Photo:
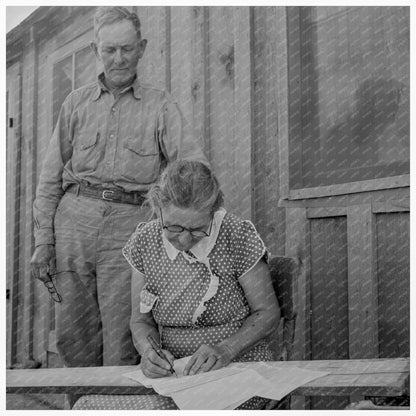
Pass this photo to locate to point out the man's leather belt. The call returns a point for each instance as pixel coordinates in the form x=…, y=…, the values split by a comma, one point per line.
x=112, y=195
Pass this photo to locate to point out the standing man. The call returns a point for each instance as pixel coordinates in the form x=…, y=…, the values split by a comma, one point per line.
x=111, y=141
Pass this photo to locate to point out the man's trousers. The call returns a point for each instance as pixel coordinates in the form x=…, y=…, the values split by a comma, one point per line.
x=92, y=325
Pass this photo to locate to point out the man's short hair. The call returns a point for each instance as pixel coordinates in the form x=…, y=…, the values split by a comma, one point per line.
x=108, y=15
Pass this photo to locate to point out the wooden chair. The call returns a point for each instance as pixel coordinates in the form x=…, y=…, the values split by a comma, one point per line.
x=283, y=271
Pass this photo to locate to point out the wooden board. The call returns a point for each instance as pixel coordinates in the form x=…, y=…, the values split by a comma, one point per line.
x=329, y=288
x=362, y=286
x=268, y=218
x=378, y=377
x=393, y=283
x=329, y=297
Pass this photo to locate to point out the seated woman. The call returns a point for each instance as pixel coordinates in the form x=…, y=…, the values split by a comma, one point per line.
x=200, y=285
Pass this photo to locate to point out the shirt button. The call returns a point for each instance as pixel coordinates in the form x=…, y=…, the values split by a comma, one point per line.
x=113, y=110
x=112, y=136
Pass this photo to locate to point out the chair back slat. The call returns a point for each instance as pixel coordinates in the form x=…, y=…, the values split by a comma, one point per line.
x=283, y=272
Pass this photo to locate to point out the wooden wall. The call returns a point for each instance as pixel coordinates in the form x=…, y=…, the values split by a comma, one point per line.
x=228, y=69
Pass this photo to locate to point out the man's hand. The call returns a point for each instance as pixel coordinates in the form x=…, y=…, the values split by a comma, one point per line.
x=153, y=366
x=208, y=358
x=43, y=262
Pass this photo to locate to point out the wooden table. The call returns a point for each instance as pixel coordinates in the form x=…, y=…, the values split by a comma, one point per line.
x=372, y=377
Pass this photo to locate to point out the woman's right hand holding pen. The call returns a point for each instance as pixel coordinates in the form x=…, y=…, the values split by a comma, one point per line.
x=154, y=366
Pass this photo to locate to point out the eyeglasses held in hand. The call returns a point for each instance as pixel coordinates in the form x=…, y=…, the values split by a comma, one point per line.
x=56, y=297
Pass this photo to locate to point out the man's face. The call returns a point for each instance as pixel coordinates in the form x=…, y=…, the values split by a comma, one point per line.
x=119, y=49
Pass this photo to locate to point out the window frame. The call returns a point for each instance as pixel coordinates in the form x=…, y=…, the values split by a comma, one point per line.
x=69, y=49
x=289, y=83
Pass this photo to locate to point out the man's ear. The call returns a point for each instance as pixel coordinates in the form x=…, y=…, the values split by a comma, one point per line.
x=94, y=48
x=142, y=45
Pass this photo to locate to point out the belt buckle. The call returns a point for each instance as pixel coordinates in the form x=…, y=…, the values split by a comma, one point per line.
x=104, y=195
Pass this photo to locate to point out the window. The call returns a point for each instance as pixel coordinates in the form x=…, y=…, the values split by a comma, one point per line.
x=70, y=73
x=348, y=72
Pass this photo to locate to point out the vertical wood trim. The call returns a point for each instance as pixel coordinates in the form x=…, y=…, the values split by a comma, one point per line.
x=200, y=79
x=12, y=197
x=362, y=283
x=182, y=61
x=30, y=181
x=207, y=87
x=168, y=39
x=243, y=106
x=48, y=314
x=298, y=247
x=221, y=84
x=276, y=218
x=268, y=218
x=9, y=234
x=49, y=95
x=17, y=156
x=282, y=100
x=151, y=67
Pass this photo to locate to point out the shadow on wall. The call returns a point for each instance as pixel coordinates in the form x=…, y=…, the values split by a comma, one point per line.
x=372, y=132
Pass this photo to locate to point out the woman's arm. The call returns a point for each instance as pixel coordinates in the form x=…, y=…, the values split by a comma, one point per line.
x=142, y=325
x=265, y=311
x=264, y=317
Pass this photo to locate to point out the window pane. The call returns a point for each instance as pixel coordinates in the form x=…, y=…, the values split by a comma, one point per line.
x=84, y=67
x=349, y=115
x=62, y=84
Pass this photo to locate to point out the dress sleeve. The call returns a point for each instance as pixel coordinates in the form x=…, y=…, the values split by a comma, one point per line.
x=249, y=248
x=132, y=251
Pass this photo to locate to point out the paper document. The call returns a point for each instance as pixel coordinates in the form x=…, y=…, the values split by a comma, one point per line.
x=170, y=384
x=218, y=394
x=227, y=387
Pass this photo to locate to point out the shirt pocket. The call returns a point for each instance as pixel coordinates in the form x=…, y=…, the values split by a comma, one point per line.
x=85, y=155
x=141, y=160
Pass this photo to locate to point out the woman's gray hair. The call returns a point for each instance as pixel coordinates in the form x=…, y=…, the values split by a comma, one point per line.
x=108, y=15
x=186, y=184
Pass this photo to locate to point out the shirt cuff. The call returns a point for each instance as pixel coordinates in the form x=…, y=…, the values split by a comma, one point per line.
x=44, y=236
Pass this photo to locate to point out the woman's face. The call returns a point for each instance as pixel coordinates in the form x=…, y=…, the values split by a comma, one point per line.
x=190, y=220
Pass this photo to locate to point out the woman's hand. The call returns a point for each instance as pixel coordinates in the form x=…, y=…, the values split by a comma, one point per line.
x=208, y=358
x=153, y=366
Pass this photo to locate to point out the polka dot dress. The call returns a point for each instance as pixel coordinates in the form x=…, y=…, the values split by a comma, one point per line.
x=178, y=283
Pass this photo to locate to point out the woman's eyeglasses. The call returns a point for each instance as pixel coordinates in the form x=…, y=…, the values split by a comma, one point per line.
x=179, y=229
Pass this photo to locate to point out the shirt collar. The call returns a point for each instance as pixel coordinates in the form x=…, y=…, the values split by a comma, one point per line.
x=204, y=246
x=135, y=86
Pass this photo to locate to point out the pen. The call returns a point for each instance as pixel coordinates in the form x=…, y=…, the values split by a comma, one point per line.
x=160, y=353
